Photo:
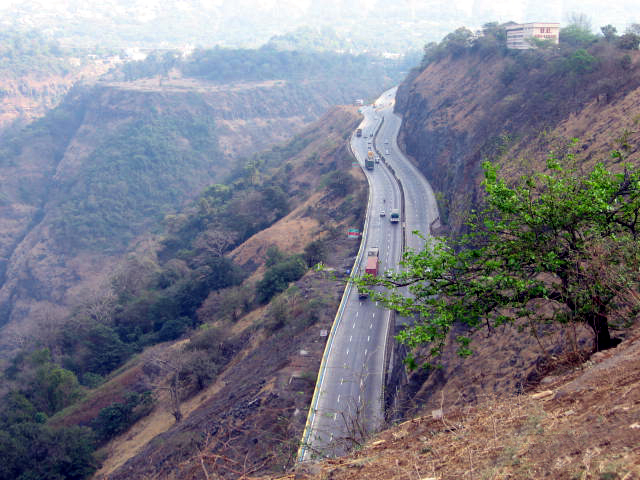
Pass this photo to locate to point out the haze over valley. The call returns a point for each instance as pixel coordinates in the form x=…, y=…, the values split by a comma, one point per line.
x=319, y=240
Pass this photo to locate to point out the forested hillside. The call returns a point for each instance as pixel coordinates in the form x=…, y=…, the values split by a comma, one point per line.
x=219, y=279
x=35, y=74
x=94, y=178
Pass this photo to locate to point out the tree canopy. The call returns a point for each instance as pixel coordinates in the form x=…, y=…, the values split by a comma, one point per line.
x=563, y=239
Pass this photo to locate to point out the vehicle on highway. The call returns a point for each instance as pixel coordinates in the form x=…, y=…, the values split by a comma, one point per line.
x=372, y=261
x=395, y=216
x=368, y=162
x=382, y=213
x=387, y=142
x=359, y=132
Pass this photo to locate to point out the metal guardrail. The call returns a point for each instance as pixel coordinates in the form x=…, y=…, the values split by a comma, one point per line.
x=304, y=445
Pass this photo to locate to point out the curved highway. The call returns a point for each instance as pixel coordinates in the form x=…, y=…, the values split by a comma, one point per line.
x=348, y=402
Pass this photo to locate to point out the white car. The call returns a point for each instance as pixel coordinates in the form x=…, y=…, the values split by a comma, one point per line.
x=382, y=213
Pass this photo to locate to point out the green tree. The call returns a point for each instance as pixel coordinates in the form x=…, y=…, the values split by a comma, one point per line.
x=629, y=41
x=578, y=32
x=276, y=279
x=315, y=251
x=609, y=32
x=561, y=238
x=581, y=62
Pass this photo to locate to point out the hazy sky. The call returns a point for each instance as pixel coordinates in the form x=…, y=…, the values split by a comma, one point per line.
x=255, y=21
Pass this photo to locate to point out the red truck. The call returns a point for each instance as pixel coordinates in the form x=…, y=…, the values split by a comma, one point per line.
x=372, y=261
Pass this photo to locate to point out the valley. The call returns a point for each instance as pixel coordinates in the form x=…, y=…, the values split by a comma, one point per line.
x=251, y=263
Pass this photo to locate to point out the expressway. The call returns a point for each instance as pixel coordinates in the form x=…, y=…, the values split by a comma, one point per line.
x=348, y=402
x=421, y=209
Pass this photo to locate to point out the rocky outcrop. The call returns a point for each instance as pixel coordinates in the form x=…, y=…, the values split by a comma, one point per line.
x=458, y=112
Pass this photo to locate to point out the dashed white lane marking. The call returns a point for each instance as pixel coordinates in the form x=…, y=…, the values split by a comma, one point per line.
x=365, y=352
x=341, y=380
x=347, y=351
x=338, y=399
x=368, y=338
x=350, y=338
x=354, y=325
x=373, y=315
x=358, y=312
x=358, y=398
x=371, y=326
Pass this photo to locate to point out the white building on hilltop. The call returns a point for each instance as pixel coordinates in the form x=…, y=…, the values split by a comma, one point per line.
x=520, y=35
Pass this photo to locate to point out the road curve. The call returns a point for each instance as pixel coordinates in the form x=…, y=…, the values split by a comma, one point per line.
x=348, y=401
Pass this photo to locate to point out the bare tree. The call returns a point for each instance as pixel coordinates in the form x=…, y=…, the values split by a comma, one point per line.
x=168, y=366
x=215, y=242
x=579, y=20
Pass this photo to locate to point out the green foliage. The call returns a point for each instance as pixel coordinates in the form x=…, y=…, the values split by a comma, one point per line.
x=226, y=65
x=629, y=41
x=119, y=416
x=609, y=32
x=566, y=239
x=290, y=312
x=29, y=52
x=340, y=183
x=103, y=350
x=277, y=277
x=136, y=174
x=273, y=256
x=30, y=451
x=577, y=36
x=46, y=386
x=315, y=252
x=580, y=62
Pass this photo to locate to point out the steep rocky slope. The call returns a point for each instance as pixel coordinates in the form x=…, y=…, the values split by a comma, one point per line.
x=81, y=184
x=581, y=423
x=252, y=415
x=26, y=97
x=513, y=109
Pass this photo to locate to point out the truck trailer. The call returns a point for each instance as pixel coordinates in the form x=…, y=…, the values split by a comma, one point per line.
x=372, y=261
x=368, y=162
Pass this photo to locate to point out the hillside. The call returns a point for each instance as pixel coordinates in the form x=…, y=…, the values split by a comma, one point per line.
x=36, y=73
x=208, y=336
x=81, y=185
x=580, y=423
x=514, y=108
x=254, y=410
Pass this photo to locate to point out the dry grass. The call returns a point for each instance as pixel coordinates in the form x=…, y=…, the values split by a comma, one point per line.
x=584, y=425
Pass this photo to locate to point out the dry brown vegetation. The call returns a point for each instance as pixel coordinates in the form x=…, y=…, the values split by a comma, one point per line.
x=250, y=418
x=581, y=424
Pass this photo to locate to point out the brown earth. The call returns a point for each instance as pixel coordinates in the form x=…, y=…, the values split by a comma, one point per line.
x=253, y=414
x=39, y=282
x=30, y=96
x=580, y=424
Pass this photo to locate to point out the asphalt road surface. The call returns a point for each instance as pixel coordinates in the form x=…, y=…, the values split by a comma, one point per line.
x=349, y=402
